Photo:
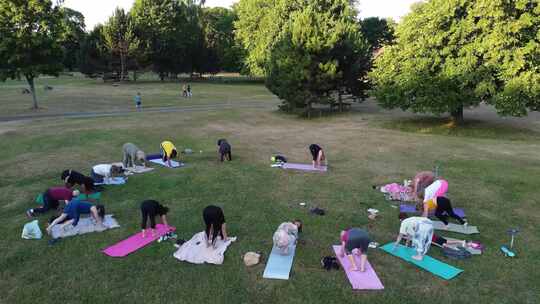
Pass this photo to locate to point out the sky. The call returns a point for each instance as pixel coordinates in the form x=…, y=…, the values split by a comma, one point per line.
x=98, y=11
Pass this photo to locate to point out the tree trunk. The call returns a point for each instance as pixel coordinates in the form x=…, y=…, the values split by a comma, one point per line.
x=340, y=101
x=135, y=75
x=30, y=80
x=457, y=116
x=122, y=66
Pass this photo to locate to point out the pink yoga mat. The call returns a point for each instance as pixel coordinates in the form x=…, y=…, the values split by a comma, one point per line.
x=359, y=280
x=136, y=242
x=303, y=167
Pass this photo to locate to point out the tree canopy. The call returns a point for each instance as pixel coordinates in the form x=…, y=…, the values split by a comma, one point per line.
x=30, y=32
x=378, y=31
x=452, y=54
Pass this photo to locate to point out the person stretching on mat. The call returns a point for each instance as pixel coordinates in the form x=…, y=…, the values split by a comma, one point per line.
x=421, y=181
x=317, y=154
x=72, y=178
x=104, y=173
x=420, y=231
x=168, y=151
x=224, y=150
x=215, y=224
x=434, y=200
x=355, y=241
x=51, y=200
x=149, y=210
x=72, y=212
x=286, y=235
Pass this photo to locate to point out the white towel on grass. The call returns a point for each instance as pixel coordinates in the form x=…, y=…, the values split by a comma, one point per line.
x=195, y=250
x=85, y=225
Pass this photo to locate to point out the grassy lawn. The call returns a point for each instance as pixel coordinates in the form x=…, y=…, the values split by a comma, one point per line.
x=79, y=94
x=492, y=175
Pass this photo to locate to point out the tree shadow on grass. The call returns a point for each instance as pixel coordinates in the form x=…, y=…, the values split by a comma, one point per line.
x=470, y=128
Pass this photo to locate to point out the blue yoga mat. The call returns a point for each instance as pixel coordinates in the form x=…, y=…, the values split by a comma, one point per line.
x=279, y=266
x=113, y=181
x=430, y=264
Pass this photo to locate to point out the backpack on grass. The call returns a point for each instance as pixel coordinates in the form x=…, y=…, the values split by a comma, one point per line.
x=458, y=253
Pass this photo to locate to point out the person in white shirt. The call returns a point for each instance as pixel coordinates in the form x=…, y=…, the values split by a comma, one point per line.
x=420, y=231
x=103, y=173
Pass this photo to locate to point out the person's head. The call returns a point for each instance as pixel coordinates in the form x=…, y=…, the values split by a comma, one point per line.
x=298, y=224
x=101, y=211
x=221, y=141
x=174, y=153
x=162, y=210
x=421, y=192
x=116, y=170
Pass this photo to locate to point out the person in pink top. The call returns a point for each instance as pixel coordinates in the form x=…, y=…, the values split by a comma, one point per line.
x=51, y=200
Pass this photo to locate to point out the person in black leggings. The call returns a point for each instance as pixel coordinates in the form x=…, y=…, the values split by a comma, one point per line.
x=215, y=224
x=224, y=150
x=444, y=208
x=317, y=154
x=149, y=210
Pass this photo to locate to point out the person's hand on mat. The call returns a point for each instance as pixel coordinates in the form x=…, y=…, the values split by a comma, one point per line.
x=418, y=257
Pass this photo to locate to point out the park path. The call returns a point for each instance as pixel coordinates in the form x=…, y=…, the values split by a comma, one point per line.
x=213, y=107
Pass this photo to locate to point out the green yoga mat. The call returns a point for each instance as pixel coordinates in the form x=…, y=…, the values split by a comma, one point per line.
x=430, y=264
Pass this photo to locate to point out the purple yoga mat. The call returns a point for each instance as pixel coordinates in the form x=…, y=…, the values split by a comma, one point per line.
x=303, y=167
x=136, y=242
x=359, y=280
x=412, y=209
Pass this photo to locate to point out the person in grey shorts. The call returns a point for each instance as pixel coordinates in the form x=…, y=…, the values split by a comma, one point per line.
x=355, y=241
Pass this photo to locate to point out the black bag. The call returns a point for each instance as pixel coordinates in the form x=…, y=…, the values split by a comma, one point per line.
x=458, y=253
x=317, y=211
x=329, y=262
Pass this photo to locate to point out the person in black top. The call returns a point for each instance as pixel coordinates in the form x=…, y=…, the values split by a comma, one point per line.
x=224, y=149
x=215, y=224
x=318, y=155
x=72, y=177
x=149, y=210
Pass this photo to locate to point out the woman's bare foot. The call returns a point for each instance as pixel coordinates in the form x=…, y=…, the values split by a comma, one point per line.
x=418, y=257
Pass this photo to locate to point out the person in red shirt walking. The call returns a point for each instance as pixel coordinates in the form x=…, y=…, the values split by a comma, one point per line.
x=51, y=200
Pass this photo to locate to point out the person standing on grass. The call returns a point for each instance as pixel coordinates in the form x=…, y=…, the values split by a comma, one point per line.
x=189, y=90
x=433, y=199
x=355, y=241
x=317, y=154
x=184, y=91
x=138, y=101
x=419, y=230
x=149, y=210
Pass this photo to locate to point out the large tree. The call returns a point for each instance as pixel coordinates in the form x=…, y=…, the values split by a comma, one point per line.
x=120, y=38
x=222, y=52
x=452, y=54
x=170, y=33
x=30, y=31
x=315, y=55
x=377, y=31
x=94, y=55
x=73, y=36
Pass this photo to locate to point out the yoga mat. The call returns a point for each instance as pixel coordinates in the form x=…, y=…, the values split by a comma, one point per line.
x=359, y=280
x=113, y=181
x=430, y=264
x=136, y=242
x=85, y=225
x=437, y=225
x=279, y=266
x=174, y=164
x=303, y=167
x=473, y=251
x=407, y=208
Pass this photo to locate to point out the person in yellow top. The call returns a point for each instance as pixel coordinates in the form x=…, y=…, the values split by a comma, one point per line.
x=434, y=199
x=168, y=151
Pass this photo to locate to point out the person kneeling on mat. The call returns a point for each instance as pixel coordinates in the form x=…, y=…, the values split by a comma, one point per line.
x=103, y=173
x=317, y=154
x=72, y=212
x=168, y=152
x=420, y=231
x=433, y=198
x=286, y=235
x=224, y=149
x=51, y=200
x=149, y=210
x=355, y=241
x=214, y=220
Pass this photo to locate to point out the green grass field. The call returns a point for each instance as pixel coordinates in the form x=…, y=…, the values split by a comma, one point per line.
x=492, y=175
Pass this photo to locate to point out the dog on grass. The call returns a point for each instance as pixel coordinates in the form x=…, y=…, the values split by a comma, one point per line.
x=133, y=156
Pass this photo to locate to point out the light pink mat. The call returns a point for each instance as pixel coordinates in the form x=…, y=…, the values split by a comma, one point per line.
x=136, y=242
x=303, y=167
x=359, y=280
